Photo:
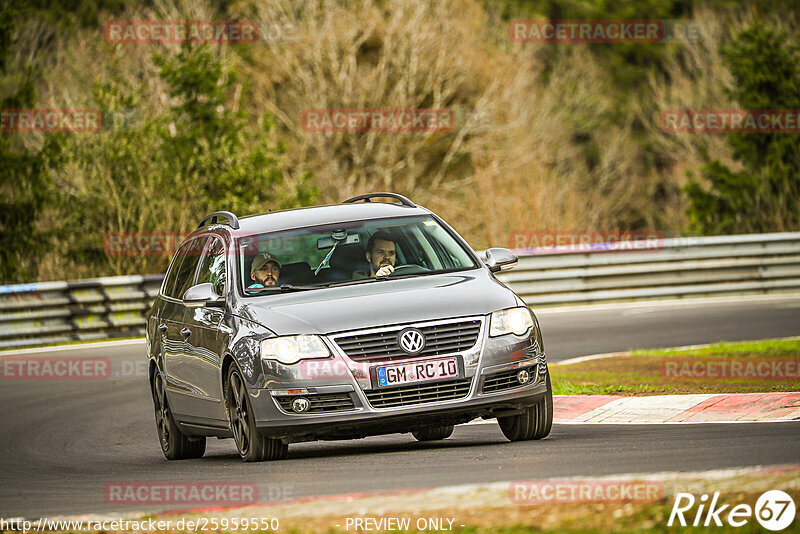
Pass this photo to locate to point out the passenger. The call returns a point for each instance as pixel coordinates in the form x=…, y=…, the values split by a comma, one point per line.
x=265, y=271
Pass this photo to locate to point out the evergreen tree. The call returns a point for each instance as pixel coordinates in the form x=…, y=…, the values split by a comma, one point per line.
x=764, y=196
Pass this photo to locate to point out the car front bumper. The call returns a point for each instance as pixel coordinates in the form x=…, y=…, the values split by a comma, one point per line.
x=346, y=402
x=363, y=422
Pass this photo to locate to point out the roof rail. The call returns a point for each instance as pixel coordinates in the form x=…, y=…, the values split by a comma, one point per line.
x=233, y=221
x=368, y=196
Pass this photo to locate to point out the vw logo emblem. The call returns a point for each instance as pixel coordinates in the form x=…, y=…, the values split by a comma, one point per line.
x=411, y=340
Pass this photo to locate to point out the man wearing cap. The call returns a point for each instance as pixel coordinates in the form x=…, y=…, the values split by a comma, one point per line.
x=265, y=271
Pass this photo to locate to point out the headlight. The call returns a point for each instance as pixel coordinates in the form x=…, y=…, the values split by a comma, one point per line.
x=512, y=320
x=292, y=349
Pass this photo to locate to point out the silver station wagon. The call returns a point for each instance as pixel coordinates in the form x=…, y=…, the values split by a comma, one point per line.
x=339, y=322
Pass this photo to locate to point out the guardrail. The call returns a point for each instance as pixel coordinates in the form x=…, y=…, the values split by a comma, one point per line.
x=57, y=312
x=674, y=268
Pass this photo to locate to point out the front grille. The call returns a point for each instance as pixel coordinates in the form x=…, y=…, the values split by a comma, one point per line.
x=418, y=393
x=506, y=380
x=444, y=338
x=328, y=402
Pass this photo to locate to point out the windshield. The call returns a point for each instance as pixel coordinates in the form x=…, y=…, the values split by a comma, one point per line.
x=353, y=252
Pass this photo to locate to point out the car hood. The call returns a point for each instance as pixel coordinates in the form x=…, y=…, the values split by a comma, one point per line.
x=422, y=298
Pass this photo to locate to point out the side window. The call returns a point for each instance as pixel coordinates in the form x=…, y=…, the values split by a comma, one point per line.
x=212, y=266
x=175, y=266
x=185, y=278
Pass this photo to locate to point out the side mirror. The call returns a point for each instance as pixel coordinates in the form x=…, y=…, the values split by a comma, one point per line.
x=500, y=259
x=202, y=295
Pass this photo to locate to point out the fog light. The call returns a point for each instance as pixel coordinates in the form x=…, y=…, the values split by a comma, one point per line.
x=523, y=377
x=300, y=405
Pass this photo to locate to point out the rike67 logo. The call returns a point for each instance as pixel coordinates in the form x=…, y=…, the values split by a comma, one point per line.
x=774, y=510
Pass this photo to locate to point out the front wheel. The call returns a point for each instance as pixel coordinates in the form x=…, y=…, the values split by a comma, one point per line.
x=433, y=433
x=252, y=445
x=174, y=444
x=534, y=423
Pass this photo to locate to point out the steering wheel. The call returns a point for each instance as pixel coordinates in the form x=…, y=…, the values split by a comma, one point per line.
x=410, y=269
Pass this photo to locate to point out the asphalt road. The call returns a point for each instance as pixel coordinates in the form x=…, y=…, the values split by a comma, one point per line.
x=61, y=442
x=580, y=331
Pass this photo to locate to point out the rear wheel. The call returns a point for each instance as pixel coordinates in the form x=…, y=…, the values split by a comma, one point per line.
x=252, y=445
x=174, y=444
x=534, y=423
x=433, y=433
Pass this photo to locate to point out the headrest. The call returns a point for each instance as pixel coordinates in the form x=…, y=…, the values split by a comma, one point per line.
x=296, y=273
x=349, y=258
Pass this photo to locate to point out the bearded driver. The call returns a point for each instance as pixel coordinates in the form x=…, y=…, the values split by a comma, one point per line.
x=264, y=271
x=381, y=254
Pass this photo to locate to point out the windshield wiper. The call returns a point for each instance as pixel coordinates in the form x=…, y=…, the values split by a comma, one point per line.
x=360, y=281
x=287, y=288
x=403, y=276
x=377, y=279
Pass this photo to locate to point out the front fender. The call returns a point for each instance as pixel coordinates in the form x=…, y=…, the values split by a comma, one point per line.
x=245, y=348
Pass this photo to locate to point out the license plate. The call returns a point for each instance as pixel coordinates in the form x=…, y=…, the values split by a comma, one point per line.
x=392, y=375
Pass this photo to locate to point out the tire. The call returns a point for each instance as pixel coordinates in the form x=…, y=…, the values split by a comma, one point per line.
x=433, y=433
x=251, y=444
x=534, y=423
x=174, y=444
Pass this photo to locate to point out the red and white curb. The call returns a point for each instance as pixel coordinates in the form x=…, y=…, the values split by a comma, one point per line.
x=705, y=408
x=674, y=409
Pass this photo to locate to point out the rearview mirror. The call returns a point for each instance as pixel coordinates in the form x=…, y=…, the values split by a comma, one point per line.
x=340, y=237
x=500, y=259
x=202, y=295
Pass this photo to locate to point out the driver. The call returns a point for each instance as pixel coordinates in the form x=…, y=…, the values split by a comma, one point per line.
x=264, y=271
x=381, y=255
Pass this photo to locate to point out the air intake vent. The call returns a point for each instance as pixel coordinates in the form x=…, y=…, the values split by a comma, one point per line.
x=418, y=393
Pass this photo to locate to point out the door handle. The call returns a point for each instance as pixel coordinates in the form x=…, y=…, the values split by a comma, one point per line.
x=163, y=328
x=185, y=332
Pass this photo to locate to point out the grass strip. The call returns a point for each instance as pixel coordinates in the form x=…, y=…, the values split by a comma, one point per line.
x=744, y=367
